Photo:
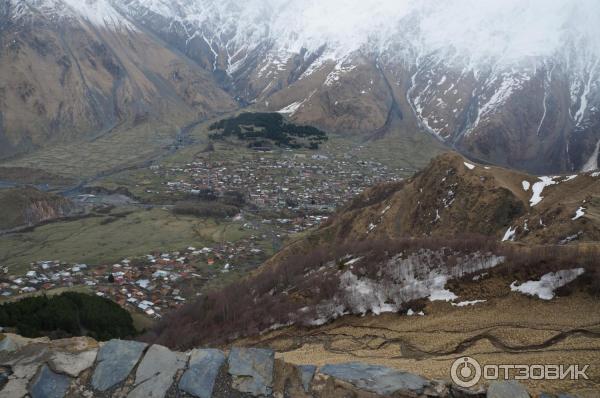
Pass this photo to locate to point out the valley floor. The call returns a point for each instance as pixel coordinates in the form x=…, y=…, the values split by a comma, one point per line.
x=512, y=329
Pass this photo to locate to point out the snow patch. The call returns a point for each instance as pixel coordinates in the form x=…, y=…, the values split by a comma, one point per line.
x=467, y=303
x=401, y=280
x=592, y=163
x=526, y=185
x=545, y=287
x=438, y=290
x=579, y=213
x=291, y=109
x=538, y=188
x=510, y=234
x=353, y=261
x=469, y=166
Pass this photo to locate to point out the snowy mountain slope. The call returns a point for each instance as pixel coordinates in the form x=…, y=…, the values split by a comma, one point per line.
x=508, y=81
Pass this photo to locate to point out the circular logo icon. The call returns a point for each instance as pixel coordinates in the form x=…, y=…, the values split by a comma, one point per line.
x=465, y=372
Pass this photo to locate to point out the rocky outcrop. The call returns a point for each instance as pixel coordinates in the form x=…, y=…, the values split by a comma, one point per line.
x=20, y=207
x=81, y=367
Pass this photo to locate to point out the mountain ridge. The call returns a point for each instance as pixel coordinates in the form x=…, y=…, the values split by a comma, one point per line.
x=517, y=85
x=453, y=196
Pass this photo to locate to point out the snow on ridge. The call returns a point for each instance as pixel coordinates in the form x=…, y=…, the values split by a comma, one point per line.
x=526, y=185
x=478, y=35
x=538, y=188
x=102, y=13
x=499, y=43
x=340, y=69
x=545, y=287
x=469, y=166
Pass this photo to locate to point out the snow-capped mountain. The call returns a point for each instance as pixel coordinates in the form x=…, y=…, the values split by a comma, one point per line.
x=510, y=81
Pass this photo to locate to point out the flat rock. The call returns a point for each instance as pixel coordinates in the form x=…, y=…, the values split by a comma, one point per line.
x=307, y=374
x=252, y=370
x=72, y=364
x=116, y=359
x=377, y=379
x=155, y=374
x=199, y=379
x=507, y=389
x=48, y=384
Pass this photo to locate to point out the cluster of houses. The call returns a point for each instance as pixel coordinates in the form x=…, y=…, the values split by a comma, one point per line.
x=297, y=190
x=152, y=285
x=314, y=184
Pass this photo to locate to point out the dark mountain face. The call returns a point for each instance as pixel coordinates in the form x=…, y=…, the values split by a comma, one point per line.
x=522, y=105
x=62, y=78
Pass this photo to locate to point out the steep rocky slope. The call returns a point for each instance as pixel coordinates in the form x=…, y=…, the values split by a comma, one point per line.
x=64, y=77
x=28, y=206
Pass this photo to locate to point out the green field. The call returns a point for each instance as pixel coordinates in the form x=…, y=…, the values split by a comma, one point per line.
x=116, y=150
x=122, y=158
x=101, y=240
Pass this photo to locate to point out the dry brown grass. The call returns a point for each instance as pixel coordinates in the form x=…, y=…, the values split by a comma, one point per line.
x=277, y=293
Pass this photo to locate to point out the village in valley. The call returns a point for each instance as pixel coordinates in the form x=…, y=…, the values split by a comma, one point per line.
x=152, y=284
x=305, y=183
x=283, y=193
